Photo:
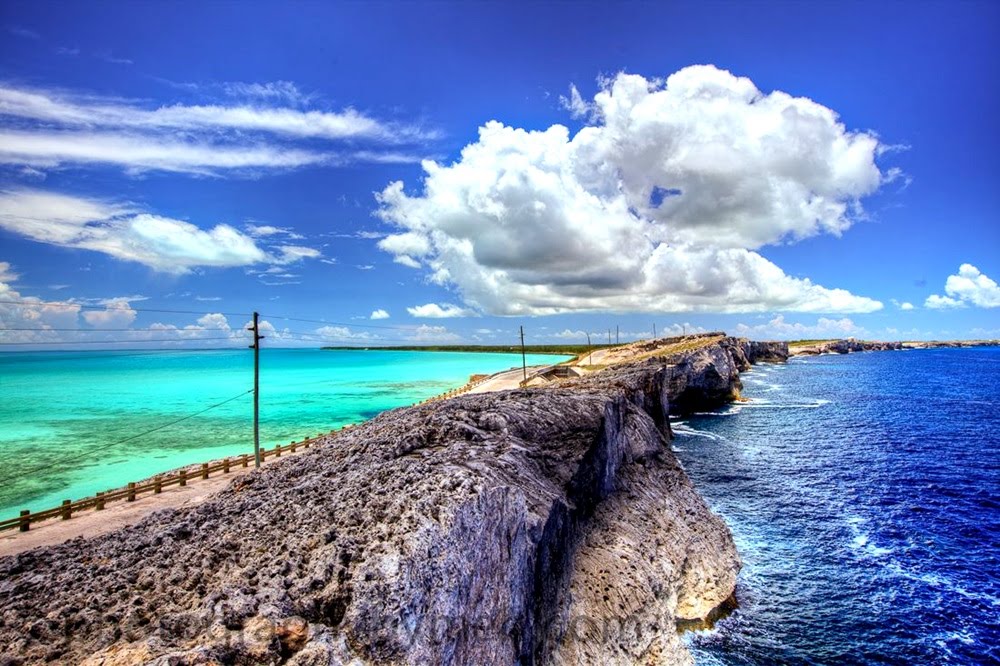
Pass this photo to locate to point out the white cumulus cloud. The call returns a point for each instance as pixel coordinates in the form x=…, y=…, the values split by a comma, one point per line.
x=125, y=232
x=118, y=313
x=780, y=329
x=567, y=334
x=442, y=311
x=379, y=314
x=968, y=287
x=344, y=334
x=425, y=333
x=659, y=205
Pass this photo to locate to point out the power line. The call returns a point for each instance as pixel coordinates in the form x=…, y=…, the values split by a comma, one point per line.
x=334, y=323
x=129, y=439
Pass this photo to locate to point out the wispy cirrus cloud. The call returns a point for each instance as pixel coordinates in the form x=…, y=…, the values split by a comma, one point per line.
x=284, y=91
x=98, y=112
x=50, y=128
x=24, y=33
x=266, y=230
x=140, y=153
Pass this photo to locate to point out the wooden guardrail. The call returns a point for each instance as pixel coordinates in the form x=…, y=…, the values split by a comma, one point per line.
x=155, y=485
x=468, y=386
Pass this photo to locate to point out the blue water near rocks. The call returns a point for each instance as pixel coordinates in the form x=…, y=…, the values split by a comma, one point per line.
x=864, y=495
x=63, y=414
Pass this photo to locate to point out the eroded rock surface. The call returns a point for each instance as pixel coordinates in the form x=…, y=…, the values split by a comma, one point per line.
x=851, y=346
x=533, y=526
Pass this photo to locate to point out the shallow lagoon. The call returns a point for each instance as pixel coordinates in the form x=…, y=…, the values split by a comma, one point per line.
x=62, y=412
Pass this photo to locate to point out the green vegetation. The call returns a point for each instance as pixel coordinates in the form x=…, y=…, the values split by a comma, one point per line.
x=803, y=343
x=492, y=349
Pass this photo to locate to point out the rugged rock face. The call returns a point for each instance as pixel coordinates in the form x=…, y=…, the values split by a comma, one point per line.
x=949, y=344
x=764, y=352
x=543, y=526
x=706, y=378
x=850, y=346
x=847, y=346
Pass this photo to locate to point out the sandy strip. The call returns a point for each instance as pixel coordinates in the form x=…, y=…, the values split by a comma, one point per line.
x=503, y=381
x=91, y=523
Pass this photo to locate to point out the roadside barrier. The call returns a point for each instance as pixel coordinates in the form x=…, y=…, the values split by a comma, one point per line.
x=155, y=485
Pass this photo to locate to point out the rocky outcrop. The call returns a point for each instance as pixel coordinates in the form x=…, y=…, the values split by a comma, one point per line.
x=706, y=378
x=851, y=346
x=949, y=344
x=848, y=346
x=541, y=526
x=764, y=352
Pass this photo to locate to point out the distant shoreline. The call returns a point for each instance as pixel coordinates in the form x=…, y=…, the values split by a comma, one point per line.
x=852, y=345
x=556, y=350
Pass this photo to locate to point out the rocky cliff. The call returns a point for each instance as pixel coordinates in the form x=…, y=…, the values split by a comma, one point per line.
x=764, y=352
x=543, y=526
x=847, y=346
x=850, y=346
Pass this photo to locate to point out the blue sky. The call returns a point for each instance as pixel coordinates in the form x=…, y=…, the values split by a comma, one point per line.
x=448, y=172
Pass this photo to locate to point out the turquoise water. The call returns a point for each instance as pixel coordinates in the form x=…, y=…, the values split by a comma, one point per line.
x=63, y=414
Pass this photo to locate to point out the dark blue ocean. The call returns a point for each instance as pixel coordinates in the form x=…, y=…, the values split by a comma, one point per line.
x=864, y=495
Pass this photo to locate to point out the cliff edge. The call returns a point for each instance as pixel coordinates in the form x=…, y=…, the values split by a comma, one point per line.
x=541, y=526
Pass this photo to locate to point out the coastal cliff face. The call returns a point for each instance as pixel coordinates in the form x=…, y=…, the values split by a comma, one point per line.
x=546, y=526
x=850, y=346
x=764, y=352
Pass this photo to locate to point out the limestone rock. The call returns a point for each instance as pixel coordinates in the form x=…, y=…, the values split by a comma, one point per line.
x=500, y=528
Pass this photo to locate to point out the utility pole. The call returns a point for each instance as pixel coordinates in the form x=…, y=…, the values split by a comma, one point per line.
x=609, y=337
x=524, y=362
x=590, y=352
x=616, y=335
x=654, y=330
x=257, y=337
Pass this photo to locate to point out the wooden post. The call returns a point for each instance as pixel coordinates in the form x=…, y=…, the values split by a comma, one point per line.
x=292, y=447
x=66, y=510
x=99, y=504
x=157, y=485
x=256, y=389
x=524, y=362
x=183, y=477
x=305, y=444
x=243, y=460
x=277, y=451
x=25, y=523
x=131, y=492
x=204, y=470
x=225, y=465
